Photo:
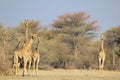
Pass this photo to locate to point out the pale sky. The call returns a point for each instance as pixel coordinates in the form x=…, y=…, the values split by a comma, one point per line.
x=106, y=12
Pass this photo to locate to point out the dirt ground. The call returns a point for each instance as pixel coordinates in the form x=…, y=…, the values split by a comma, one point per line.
x=60, y=74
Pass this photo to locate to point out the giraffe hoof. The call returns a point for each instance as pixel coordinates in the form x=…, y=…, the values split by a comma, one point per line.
x=28, y=74
x=23, y=75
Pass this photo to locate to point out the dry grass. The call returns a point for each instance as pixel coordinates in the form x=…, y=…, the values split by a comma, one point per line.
x=61, y=74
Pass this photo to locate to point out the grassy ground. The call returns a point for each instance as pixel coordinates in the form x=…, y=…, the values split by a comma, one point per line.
x=61, y=74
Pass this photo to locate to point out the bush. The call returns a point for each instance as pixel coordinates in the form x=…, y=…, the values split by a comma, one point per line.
x=5, y=68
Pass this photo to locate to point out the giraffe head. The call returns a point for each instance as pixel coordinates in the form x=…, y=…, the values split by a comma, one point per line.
x=34, y=36
x=102, y=36
x=19, y=38
x=26, y=23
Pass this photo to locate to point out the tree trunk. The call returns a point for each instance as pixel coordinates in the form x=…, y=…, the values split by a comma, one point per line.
x=75, y=53
x=113, y=60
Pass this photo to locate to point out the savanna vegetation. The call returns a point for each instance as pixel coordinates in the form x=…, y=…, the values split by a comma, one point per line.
x=69, y=43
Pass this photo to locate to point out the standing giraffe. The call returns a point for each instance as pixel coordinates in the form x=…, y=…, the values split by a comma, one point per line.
x=16, y=64
x=102, y=54
x=36, y=57
x=24, y=53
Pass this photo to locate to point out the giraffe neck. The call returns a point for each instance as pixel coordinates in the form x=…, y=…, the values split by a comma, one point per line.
x=26, y=33
x=102, y=44
x=18, y=45
x=37, y=45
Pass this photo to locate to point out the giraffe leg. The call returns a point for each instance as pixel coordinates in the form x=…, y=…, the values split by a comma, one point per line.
x=103, y=61
x=102, y=66
x=14, y=69
x=37, y=62
x=100, y=63
x=25, y=63
x=17, y=67
x=15, y=64
x=33, y=63
x=29, y=67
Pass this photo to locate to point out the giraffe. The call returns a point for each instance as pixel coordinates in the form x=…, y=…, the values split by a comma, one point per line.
x=36, y=57
x=24, y=53
x=102, y=54
x=16, y=65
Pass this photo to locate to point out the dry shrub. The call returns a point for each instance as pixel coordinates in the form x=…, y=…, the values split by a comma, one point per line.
x=5, y=68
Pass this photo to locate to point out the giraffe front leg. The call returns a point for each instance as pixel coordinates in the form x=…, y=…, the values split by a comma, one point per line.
x=102, y=66
x=100, y=70
x=15, y=64
x=17, y=67
x=37, y=63
x=103, y=61
x=14, y=69
x=33, y=63
x=24, y=70
x=100, y=63
x=29, y=67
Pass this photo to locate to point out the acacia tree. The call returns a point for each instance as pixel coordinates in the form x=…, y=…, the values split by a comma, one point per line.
x=113, y=45
x=76, y=28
